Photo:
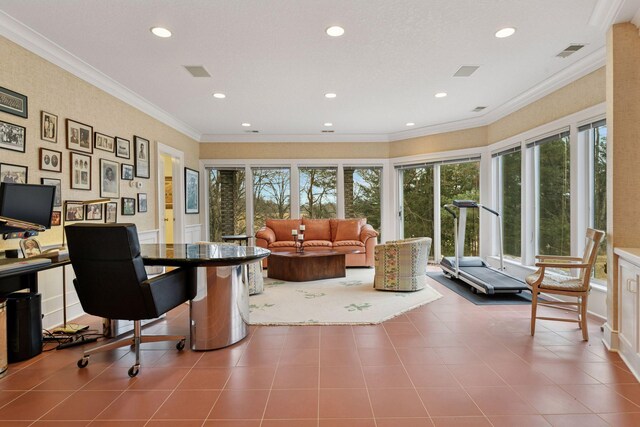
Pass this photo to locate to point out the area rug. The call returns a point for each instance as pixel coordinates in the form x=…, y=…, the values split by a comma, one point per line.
x=349, y=300
x=464, y=290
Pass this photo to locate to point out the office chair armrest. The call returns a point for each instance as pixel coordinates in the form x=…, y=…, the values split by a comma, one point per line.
x=558, y=257
x=562, y=265
x=169, y=290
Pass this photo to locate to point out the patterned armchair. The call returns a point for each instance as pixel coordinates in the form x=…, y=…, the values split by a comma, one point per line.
x=254, y=271
x=401, y=265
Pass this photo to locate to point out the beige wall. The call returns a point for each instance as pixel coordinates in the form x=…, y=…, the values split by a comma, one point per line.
x=467, y=138
x=56, y=91
x=279, y=150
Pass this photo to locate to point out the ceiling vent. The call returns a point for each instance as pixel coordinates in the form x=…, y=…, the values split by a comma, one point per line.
x=327, y=131
x=573, y=48
x=251, y=131
x=478, y=109
x=197, y=71
x=466, y=70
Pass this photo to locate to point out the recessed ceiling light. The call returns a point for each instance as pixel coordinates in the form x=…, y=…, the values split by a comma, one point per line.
x=219, y=95
x=330, y=95
x=440, y=94
x=161, y=32
x=411, y=124
x=328, y=124
x=335, y=31
x=246, y=125
x=505, y=32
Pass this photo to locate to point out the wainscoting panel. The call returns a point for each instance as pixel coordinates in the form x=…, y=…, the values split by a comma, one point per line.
x=193, y=233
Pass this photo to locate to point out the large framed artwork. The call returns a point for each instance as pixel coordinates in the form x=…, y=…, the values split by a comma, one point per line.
x=79, y=136
x=80, y=167
x=109, y=179
x=13, y=173
x=13, y=137
x=50, y=160
x=48, y=127
x=57, y=199
x=141, y=157
x=13, y=103
x=191, y=191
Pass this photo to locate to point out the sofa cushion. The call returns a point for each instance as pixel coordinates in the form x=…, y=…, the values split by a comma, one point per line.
x=283, y=244
x=344, y=243
x=316, y=229
x=317, y=244
x=282, y=228
x=348, y=229
x=333, y=223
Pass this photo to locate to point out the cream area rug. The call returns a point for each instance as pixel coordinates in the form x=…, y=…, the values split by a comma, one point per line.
x=348, y=300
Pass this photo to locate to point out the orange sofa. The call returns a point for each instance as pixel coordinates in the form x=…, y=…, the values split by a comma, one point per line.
x=322, y=235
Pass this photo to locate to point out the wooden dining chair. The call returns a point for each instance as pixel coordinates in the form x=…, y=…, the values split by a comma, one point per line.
x=577, y=287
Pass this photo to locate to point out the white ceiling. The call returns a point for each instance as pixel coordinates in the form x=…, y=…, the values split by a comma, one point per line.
x=274, y=61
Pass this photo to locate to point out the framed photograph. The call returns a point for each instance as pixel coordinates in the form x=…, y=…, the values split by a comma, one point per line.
x=126, y=172
x=56, y=218
x=109, y=179
x=50, y=160
x=123, y=148
x=103, y=142
x=192, y=191
x=30, y=247
x=141, y=148
x=13, y=137
x=93, y=213
x=142, y=202
x=79, y=136
x=57, y=199
x=74, y=212
x=80, y=167
x=111, y=212
x=48, y=127
x=13, y=173
x=128, y=206
x=13, y=103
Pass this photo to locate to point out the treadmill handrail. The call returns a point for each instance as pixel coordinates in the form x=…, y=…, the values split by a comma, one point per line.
x=489, y=209
x=451, y=211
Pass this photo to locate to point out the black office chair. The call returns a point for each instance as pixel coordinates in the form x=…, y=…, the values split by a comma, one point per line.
x=111, y=282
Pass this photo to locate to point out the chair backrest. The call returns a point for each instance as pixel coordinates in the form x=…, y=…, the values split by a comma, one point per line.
x=109, y=269
x=593, y=239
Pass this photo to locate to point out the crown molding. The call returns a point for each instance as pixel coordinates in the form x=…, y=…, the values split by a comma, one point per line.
x=35, y=42
x=298, y=138
x=604, y=14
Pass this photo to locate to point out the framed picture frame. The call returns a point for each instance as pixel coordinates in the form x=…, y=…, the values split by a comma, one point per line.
x=126, y=172
x=13, y=137
x=79, y=137
x=57, y=198
x=103, y=142
x=128, y=206
x=109, y=179
x=141, y=157
x=30, y=247
x=48, y=127
x=191, y=191
x=13, y=103
x=14, y=173
x=111, y=213
x=50, y=160
x=80, y=168
x=123, y=148
x=93, y=212
x=74, y=212
x=56, y=218
x=142, y=202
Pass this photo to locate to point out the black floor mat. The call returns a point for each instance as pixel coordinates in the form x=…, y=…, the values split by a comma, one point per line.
x=464, y=290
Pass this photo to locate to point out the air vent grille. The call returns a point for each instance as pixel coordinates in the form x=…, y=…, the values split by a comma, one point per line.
x=478, y=109
x=327, y=131
x=573, y=48
x=197, y=71
x=251, y=131
x=466, y=70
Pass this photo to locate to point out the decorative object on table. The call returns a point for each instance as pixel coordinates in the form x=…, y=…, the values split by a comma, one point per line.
x=103, y=142
x=13, y=173
x=48, y=127
x=298, y=239
x=192, y=191
x=109, y=179
x=30, y=247
x=13, y=103
x=56, y=218
x=128, y=206
x=80, y=167
x=57, y=200
x=142, y=202
x=123, y=148
x=50, y=160
x=126, y=172
x=73, y=211
x=93, y=212
x=141, y=156
x=12, y=137
x=111, y=213
x=79, y=136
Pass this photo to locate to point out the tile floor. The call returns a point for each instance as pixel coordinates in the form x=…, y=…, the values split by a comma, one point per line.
x=449, y=363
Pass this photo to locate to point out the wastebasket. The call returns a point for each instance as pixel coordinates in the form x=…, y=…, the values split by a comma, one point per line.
x=3, y=337
x=24, y=326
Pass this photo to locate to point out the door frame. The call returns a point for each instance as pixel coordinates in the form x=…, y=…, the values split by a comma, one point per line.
x=178, y=191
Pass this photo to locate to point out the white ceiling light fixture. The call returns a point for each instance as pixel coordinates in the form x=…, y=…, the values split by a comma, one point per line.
x=411, y=124
x=505, y=32
x=328, y=124
x=335, y=31
x=246, y=125
x=161, y=32
x=330, y=95
x=440, y=94
x=219, y=95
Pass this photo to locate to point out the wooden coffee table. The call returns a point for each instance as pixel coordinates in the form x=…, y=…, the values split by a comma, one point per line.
x=306, y=266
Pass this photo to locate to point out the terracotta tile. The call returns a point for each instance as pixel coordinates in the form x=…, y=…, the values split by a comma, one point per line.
x=431, y=376
x=378, y=356
x=499, y=401
x=232, y=423
x=267, y=342
x=300, y=357
x=345, y=403
x=205, y=379
x=343, y=357
x=373, y=341
x=174, y=423
x=519, y=420
x=158, y=378
x=66, y=423
x=608, y=373
x=400, y=328
x=83, y=405
x=576, y=421
x=289, y=423
x=564, y=373
x=32, y=405
x=397, y=402
x=292, y=404
x=294, y=341
x=8, y=396
x=385, y=376
x=475, y=375
x=220, y=358
x=251, y=378
x=304, y=330
x=25, y=379
x=353, y=422
x=111, y=379
x=240, y=404
x=419, y=356
x=335, y=341
x=622, y=420
x=119, y=423
x=550, y=399
x=336, y=330
x=448, y=402
x=179, y=359
x=519, y=373
x=134, y=405
x=190, y=404
x=404, y=422
x=415, y=340
x=296, y=377
x=456, y=355
x=600, y=398
x=629, y=391
x=341, y=377
x=461, y=421
x=259, y=358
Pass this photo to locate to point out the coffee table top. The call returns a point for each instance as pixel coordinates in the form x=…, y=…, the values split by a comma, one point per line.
x=313, y=254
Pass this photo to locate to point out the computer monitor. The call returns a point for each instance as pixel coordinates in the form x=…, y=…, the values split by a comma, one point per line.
x=26, y=202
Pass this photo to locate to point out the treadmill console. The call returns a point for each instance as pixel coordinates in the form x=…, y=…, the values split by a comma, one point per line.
x=465, y=204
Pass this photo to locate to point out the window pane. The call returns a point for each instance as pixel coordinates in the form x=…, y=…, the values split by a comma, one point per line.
x=271, y=195
x=417, y=202
x=600, y=194
x=554, y=234
x=362, y=194
x=511, y=203
x=227, y=203
x=460, y=181
x=318, y=192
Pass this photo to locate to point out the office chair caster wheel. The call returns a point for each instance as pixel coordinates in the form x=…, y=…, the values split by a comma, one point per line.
x=82, y=363
x=180, y=345
x=133, y=371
